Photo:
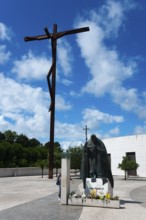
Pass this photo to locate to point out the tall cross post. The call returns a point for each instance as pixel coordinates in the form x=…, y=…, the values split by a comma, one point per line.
x=86, y=157
x=86, y=130
x=51, y=79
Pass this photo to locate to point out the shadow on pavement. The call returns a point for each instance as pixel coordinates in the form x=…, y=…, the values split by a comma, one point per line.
x=47, y=208
x=122, y=202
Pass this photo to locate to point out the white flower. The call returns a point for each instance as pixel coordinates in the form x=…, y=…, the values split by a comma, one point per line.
x=74, y=195
x=83, y=195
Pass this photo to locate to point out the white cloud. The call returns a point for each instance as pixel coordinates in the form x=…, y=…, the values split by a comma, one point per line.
x=4, y=32
x=4, y=35
x=65, y=58
x=113, y=14
x=114, y=131
x=75, y=94
x=32, y=67
x=111, y=132
x=139, y=129
x=93, y=118
x=71, y=135
x=66, y=131
x=61, y=104
x=66, y=82
x=35, y=67
x=25, y=109
x=106, y=68
x=108, y=71
x=4, y=55
x=127, y=99
x=4, y=124
x=20, y=96
x=131, y=101
x=66, y=144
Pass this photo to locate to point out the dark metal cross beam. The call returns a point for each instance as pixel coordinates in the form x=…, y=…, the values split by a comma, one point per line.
x=56, y=35
x=51, y=79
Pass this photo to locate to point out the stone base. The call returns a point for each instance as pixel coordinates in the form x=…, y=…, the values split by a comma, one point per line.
x=94, y=203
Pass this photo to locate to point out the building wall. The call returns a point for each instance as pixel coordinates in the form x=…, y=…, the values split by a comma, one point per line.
x=22, y=171
x=119, y=146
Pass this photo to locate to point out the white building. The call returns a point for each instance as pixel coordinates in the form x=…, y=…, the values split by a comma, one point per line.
x=133, y=146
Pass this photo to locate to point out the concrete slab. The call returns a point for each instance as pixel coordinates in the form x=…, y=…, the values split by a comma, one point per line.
x=35, y=198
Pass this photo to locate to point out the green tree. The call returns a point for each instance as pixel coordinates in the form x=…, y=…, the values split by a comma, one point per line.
x=10, y=136
x=57, y=156
x=20, y=151
x=6, y=154
x=42, y=164
x=3, y=155
x=17, y=154
x=33, y=142
x=76, y=157
x=23, y=140
x=23, y=163
x=2, y=137
x=25, y=157
x=126, y=165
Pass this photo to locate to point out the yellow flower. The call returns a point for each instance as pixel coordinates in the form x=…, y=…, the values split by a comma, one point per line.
x=101, y=195
x=108, y=196
x=93, y=193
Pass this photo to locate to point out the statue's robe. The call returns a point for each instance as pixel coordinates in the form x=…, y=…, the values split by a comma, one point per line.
x=95, y=162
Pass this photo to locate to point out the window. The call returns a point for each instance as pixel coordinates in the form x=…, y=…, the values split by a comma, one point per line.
x=131, y=156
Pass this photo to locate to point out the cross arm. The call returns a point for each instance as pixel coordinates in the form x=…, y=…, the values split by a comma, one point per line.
x=56, y=35
x=73, y=31
x=40, y=37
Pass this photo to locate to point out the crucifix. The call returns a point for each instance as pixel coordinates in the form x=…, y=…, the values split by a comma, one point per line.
x=51, y=79
x=86, y=130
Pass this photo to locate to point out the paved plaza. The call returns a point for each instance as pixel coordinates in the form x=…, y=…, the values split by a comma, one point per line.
x=36, y=198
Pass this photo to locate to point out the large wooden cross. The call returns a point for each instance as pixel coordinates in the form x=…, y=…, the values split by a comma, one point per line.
x=51, y=79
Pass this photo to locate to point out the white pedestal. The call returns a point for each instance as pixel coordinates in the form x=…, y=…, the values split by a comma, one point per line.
x=65, y=180
x=101, y=185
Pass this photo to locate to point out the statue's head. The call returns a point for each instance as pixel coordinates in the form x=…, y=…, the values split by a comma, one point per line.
x=94, y=139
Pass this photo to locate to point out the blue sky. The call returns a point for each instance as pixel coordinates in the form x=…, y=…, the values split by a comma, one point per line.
x=100, y=79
